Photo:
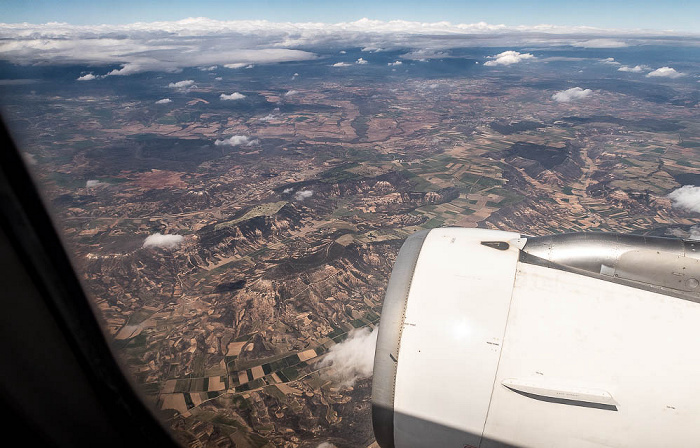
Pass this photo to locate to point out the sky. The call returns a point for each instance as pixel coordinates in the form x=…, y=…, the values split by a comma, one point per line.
x=677, y=15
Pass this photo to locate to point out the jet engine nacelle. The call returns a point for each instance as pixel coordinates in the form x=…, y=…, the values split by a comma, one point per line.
x=489, y=338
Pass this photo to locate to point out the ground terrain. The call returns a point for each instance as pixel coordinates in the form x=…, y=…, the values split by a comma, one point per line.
x=289, y=241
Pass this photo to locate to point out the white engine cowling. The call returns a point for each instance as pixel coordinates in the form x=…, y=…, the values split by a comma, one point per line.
x=491, y=339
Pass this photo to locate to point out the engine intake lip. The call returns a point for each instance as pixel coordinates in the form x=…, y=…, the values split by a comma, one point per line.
x=389, y=337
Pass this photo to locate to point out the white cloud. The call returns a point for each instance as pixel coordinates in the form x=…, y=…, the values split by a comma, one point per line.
x=237, y=140
x=508, y=58
x=678, y=233
x=164, y=101
x=601, y=43
x=182, y=86
x=209, y=69
x=395, y=63
x=573, y=94
x=352, y=359
x=247, y=65
x=635, y=69
x=610, y=61
x=694, y=233
x=164, y=241
x=87, y=77
x=94, y=183
x=218, y=78
x=291, y=93
x=232, y=97
x=341, y=64
x=687, y=197
x=29, y=158
x=287, y=190
x=303, y=194
x=140, y=66
x=665, y=72
x=361, y=61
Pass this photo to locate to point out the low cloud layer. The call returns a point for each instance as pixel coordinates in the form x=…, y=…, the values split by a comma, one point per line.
x=665, y=72
x=207, y=43
x=352, y=359
x=508, y=58
x=231, y=97
x=341, y=64
x=573, y=94
x=237, y=140
x=686, y=197
x=163, y=241
x=164, y=101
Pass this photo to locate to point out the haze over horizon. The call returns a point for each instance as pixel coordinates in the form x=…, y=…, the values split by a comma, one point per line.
x=676, y=15
x=170, y=46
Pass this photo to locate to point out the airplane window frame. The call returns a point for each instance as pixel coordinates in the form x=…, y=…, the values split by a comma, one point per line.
x=37, y=251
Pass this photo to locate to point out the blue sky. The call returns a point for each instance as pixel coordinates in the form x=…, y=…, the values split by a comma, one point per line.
x=679, y=15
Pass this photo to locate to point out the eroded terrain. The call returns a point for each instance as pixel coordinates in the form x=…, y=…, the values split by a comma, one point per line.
x=290, y=231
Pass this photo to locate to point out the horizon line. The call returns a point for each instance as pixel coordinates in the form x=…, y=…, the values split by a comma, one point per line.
x=448, y=26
